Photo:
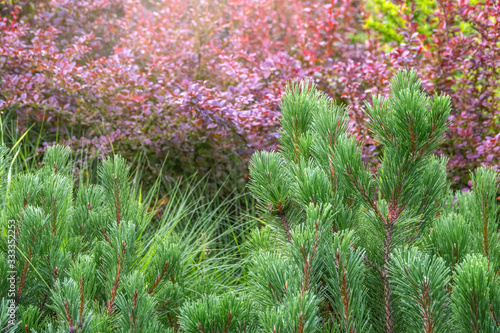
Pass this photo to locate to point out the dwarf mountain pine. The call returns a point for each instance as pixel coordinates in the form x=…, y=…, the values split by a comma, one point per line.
x=92, y=259
x=390, y=251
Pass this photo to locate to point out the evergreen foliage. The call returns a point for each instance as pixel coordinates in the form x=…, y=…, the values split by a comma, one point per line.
x=387, y=251
x=93, y=259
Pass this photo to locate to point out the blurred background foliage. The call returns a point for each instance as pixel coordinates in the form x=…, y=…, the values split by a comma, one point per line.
x=193, y=86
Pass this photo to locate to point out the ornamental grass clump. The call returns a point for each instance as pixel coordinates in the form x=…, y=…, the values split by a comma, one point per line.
x=391, y=251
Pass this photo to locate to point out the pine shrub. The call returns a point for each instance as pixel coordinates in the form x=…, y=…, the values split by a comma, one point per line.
x=91, y=258
x=390, y=251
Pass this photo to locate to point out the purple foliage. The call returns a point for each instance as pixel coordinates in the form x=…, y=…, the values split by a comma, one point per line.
x=201, y=81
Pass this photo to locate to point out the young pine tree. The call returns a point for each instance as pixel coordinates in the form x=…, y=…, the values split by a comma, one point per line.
x=90, y=259
x=391, y=251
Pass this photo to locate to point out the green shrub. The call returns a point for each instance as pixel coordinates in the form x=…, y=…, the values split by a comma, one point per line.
x=390, y=251
x=217, y=314
x=94, y=258
x=385, y=17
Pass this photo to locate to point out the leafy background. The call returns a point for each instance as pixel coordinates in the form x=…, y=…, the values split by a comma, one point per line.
x=194, y=85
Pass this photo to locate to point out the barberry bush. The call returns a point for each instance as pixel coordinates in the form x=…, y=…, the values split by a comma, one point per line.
x=395, y=251
x=200, y=81
x=454, y=47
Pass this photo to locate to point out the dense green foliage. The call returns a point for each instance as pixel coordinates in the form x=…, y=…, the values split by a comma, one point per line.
x=394, y=251
x=95, y=258
x=338, y=249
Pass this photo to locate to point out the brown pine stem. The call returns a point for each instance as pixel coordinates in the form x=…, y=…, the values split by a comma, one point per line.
x=200, y=328
x=24, y=275
x=284, y=223
x=272, y=289
x=389, y=321
x=173, y=322
x=369, y=262
x=449, y=287
x=413, y=138
x=475, y=310
x=495, y=318
x=426, y=308
x=344, y=293
x=68, y=314
x=42, y=304
x=301, y=323
x=164, y=305
x=332, y=167
x=307, y=270
x=25, y=202
x=159, y=277
x=296, y=139
x=362, y=191
x=133, y=316
x=372, y=265
x=332, y=174
x=229, y=315
x=308, y=257
x=56, y=276
x=82, y=227
x=115, y=285
x=170, y=321
x=105, y=235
